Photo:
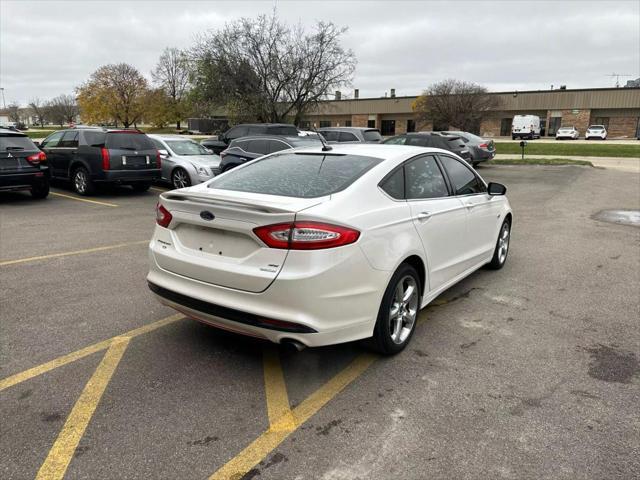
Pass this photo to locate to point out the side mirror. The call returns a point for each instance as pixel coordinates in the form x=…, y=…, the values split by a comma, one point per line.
x=496, y=189
x=208, y=150
x=164, y=153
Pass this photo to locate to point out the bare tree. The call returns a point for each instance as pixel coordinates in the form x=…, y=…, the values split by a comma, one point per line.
x=39, y=109
x=114, y=93
x=63, y=109
x=275, y=70
x=454, y=103
x=13, y=112
x=171, y=74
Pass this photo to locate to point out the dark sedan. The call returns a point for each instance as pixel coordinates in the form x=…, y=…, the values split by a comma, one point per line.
x=452, y=143
x=245, y=149
x=22, y=165
x=481, y=150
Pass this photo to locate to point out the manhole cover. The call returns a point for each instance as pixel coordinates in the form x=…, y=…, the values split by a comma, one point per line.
x=624, y=217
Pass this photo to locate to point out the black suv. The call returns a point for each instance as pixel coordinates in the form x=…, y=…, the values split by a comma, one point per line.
x=221, y=142
x=244, y=149
x=453, y=143
x=22, y=165
x=86, y=156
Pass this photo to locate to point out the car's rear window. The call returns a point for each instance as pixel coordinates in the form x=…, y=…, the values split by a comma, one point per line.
x=128, y=141
x=16, y=142
x=301, y=175
x=372, y=135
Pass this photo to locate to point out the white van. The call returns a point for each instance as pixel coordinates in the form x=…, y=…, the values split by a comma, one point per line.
x=525, y=126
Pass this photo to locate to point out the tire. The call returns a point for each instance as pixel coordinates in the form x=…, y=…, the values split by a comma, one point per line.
x=392, y=333
x=180, y=178
x=81, y=181
x=513, y=137
x=141, y=187
x=502, y=249
x=40, y=190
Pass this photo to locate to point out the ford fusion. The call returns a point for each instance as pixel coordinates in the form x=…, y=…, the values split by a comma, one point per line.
x=325, y=245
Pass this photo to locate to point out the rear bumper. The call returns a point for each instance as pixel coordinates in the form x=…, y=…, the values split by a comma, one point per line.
x=328, y=304
x=21, y=181
x=128, y=176
x=480, y=155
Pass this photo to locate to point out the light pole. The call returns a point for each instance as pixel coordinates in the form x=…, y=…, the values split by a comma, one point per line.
x=4, y=104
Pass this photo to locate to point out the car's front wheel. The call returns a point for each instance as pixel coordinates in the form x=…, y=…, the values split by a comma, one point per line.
x=180, y=178
x=398, y=311
x=82, y=183
x=502, y=247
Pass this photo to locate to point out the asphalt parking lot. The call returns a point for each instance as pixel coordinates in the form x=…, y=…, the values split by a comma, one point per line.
x=528, y=372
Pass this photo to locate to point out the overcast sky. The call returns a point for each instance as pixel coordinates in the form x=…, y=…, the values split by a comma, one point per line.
x=50, y=47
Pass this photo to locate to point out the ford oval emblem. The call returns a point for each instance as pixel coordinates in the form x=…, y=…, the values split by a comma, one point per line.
x=207, y=215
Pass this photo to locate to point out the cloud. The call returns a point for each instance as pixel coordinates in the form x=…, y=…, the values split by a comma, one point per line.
x=49, y=48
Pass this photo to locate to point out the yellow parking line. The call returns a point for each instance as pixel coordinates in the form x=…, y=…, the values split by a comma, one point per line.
x=257, y=450
x=159, y=189
x=57, y=461
x=86, y=200
x=83, y=352
x=75, y=252
x=280, y=416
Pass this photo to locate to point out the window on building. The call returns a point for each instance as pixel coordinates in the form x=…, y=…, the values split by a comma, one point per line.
x=388, y=127
x=347, y=123
x=371, y=124
x=411, y=126
x=602, y=121
x=325, y=123
x=305, y=125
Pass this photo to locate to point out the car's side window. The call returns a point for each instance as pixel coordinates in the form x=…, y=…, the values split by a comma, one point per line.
x=277, y=145
x=52, y=140
x=258, y=146
x=462, y=178
x=237, y=132
x=423, y=179
x=242, y=144
x=393, y=185
x=347, y=137
x=396, y=141
x=69, y=140
x=157, y=144
x=419, y=141
x=330, y=136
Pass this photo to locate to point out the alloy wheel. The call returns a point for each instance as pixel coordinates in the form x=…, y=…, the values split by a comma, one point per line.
x=503, y=243
x=404, y=309
x=80, y=181
x=180, y=179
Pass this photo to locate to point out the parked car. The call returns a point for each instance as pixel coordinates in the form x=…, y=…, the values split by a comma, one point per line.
x=453, y=143
x=245, y=149
x=221, y=142
x=596, y=131
x=569, y=133
x=351, y=134
x=525, y=126
x=480, y=149
x=22, y=165
x=87, y=156
x=315, y=247
x=184, y=161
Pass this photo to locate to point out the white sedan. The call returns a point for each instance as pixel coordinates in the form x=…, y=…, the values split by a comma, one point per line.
x=322, y=245
x=567, y=132
x=596, y=131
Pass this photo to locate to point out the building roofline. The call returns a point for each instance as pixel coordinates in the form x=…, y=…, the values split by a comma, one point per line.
x=506, y=92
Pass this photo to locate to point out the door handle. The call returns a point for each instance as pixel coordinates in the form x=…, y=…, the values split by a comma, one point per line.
x=469, y=205
x=423, y=216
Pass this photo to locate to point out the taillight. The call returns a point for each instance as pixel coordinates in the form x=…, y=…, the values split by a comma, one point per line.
x=158, y=161
x=306, y=235
x=483, y=145
x=163, y=217
x=106, y=158
x=36, y=158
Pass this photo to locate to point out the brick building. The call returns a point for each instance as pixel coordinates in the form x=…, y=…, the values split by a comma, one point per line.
x=616, y=108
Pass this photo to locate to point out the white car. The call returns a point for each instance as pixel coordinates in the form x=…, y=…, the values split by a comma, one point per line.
x=567, y=132
x=322, y=245
x=596, y=131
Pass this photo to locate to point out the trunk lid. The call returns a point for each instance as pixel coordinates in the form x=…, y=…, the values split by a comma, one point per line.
x=211, y=239
x=130, y=151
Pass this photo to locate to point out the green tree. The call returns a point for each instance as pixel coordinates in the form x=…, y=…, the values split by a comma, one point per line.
x=171, y=74
x=114, y=93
